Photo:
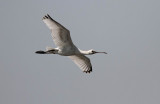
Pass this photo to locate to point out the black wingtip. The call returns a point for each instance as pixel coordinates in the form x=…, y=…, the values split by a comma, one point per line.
x=88, y=71
x=47, y=16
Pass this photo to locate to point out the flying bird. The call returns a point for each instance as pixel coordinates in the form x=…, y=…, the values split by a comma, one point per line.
x=65, y=47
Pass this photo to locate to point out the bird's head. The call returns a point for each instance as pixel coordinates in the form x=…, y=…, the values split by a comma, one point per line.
x=94, y=52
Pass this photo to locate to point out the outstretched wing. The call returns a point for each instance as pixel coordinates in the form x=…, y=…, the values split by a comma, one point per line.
x=60, y=35
x=82, y=62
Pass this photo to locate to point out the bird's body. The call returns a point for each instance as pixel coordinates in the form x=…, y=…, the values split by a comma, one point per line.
x=65, y=46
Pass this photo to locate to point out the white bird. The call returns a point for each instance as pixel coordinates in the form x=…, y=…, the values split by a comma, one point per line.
x=65, y=46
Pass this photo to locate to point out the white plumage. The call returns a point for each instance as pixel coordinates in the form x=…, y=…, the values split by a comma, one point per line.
x=65, y=46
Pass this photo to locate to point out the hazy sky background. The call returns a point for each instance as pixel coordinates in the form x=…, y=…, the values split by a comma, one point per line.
x=129, y=30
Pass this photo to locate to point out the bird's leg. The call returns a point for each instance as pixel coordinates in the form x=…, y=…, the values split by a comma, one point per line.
x=41, y=52
x=46, y=52
x=51, y=51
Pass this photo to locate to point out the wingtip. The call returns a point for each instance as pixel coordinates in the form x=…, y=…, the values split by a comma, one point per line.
x=89, y=70
x=47, y=16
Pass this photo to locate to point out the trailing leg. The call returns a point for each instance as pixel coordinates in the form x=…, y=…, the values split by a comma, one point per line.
x=40, y=52
x=48, y=51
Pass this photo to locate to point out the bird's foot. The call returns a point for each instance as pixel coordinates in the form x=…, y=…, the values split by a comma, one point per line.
x=40, y=52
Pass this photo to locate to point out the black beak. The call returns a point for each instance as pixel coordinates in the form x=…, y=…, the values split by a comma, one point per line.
x=99, y=52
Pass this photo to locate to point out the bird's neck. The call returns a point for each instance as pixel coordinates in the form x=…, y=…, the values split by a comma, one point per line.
x=84, y=52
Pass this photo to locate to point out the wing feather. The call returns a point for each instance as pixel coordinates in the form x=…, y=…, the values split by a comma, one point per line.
x=60, y=35
x=82, y=62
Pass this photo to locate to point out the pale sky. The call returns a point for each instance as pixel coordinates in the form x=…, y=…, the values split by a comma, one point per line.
x=128, y=30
